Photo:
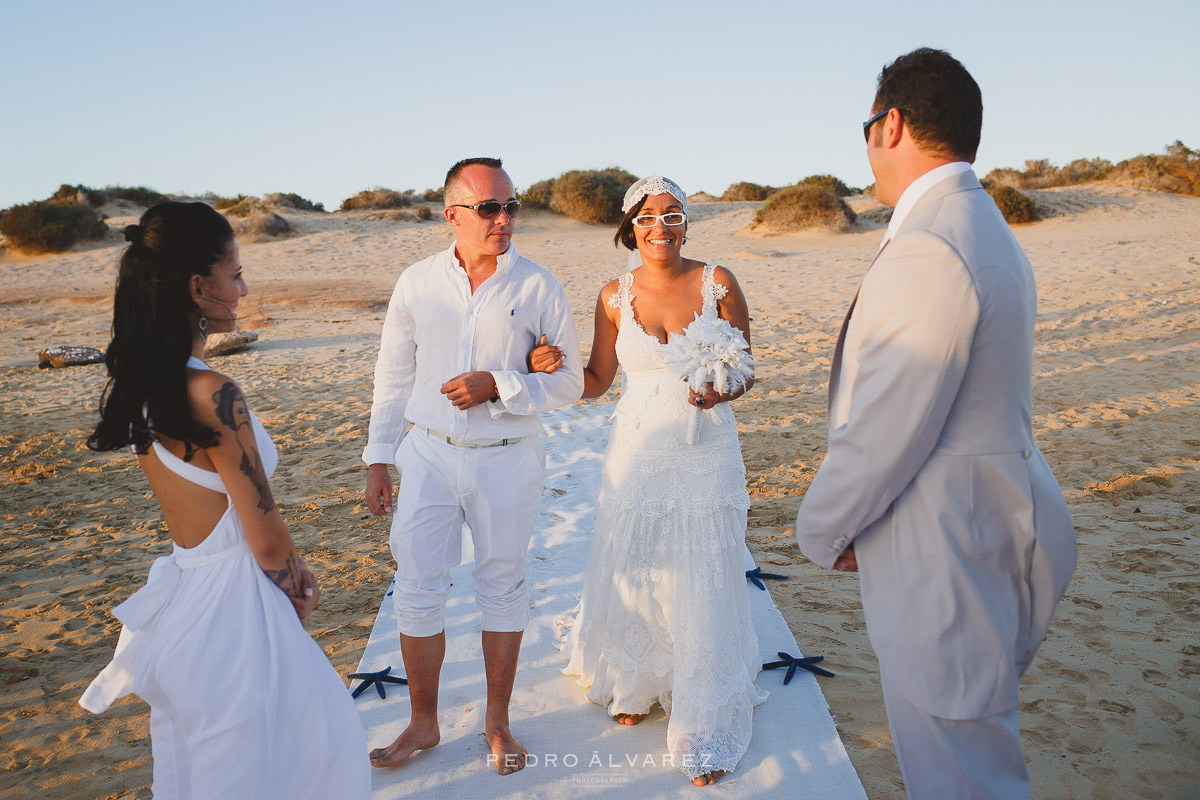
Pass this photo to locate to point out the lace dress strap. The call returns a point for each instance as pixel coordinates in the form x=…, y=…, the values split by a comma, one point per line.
x=622, y=298
x=711, y=291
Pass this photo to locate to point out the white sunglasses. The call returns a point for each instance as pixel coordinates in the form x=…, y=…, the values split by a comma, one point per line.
x=648, y=220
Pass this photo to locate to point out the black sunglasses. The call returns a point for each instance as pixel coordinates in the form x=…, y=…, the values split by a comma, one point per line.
x=867, y=125
x=490, y=208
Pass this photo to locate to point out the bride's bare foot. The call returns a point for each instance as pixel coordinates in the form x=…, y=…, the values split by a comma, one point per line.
x=708, y=778
x=629, y=719
x=507, y=753
x=415, y=737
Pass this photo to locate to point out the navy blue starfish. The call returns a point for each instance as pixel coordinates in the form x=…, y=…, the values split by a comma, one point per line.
x=802, y=663
x=756, y=575
x=377, y=678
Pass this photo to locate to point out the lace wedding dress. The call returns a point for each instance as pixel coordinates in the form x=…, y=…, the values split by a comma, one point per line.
x=664, y=616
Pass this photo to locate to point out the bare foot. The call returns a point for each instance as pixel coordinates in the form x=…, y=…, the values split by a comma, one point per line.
x=414, y=738
x=708, y=778
x=507, y=753
x=629, y=719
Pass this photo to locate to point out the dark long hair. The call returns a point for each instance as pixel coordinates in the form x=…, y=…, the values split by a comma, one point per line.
x=152, y=330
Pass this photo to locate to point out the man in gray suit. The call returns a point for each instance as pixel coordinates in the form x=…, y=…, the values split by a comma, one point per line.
x=932, y=485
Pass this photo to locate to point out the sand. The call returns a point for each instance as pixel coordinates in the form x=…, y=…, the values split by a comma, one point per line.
x=1110, y=707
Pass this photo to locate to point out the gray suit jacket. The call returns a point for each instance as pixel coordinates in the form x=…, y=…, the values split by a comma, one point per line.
x=963, y=538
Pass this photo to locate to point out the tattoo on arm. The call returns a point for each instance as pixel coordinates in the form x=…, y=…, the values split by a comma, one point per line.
x=287, y=578
x=235, y=415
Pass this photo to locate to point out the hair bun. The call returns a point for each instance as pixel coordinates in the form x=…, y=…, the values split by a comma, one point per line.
x=133, y=233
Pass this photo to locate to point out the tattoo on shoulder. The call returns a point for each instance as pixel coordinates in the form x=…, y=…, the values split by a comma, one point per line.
x=234, y=414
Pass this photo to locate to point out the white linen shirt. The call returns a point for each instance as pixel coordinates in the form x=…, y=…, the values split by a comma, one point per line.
x=436, y=330
x=907, y=202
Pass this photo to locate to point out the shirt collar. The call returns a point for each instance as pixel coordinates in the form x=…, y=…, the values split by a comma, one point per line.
x=917, y=189
x=503, y=260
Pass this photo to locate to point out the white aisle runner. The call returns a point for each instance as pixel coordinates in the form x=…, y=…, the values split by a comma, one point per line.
x=576, y=750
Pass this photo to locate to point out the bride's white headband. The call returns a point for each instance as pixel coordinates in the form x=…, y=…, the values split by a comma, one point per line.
x=654, y=184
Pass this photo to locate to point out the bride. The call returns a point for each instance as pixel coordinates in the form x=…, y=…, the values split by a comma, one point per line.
x=664, y=616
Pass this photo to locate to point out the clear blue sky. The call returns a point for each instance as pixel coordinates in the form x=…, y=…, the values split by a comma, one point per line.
x=326, y=100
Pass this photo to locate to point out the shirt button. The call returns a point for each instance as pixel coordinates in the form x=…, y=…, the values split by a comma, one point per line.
x=1027, y=454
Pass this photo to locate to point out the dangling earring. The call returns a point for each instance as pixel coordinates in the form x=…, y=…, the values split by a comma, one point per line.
x=202, y=325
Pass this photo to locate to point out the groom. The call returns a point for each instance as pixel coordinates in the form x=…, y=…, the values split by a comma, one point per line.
x=452, y=361
x=932, y=484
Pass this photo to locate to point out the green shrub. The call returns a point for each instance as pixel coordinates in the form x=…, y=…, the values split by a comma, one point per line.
x=374, y=199
x=1015, y=206
x=805, y=206
x=44, y=227
x=293, y=201
x=745, y=190
x=592, y=196
x=829, y=182
x=538, y=195
x=433, y=196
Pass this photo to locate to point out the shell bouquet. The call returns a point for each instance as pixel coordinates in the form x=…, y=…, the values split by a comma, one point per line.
x=709, y=350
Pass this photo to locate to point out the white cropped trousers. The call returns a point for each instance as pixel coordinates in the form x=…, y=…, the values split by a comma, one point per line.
x=497, y=492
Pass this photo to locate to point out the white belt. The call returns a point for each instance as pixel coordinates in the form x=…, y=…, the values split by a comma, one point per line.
x=441, y=437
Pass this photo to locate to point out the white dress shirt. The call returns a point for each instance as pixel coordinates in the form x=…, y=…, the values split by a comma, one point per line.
x=907, y=202
x=436, y=329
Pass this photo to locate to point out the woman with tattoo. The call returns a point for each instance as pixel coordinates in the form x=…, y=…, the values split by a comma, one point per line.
x=243, y=703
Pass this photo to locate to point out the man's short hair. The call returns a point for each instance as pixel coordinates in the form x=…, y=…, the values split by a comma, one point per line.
x=450, y=189
x=938, y=99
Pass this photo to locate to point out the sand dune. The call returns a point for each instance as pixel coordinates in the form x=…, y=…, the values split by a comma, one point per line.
x=1111, y=706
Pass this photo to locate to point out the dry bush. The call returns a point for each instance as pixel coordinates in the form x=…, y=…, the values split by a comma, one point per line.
x=1177, y=171
x=746, y=191
x=1041, y=174
x=244, y=207
x=78, y=194
x=828, y=182
x=592, y=196
x=424, y=213
x=805, y=206
x=225, y=203
x=538, y=195
x=45, y=227
x=138, y=195
x=433, y=196
x=260, y=224
x=377, y=199
x=293, y=201
x=1015, y=206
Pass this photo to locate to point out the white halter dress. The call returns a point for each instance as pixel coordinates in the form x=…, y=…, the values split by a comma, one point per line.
x=243, y=703
x=664, y=615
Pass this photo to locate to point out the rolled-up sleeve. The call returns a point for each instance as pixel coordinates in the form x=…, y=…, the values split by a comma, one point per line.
x=395, y=370
x=524, y=393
